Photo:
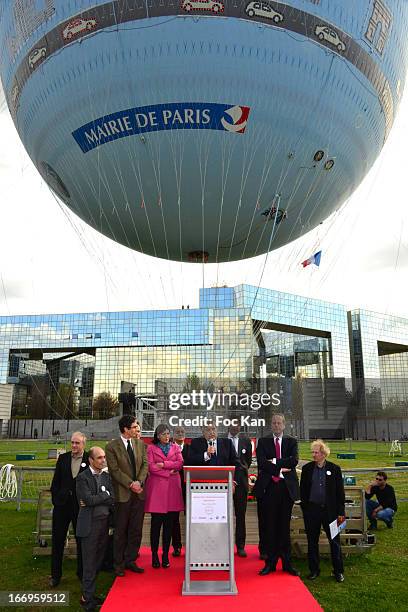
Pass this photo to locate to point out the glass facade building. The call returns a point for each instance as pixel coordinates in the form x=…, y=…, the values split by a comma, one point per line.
x=379, y=353
x=329, y=366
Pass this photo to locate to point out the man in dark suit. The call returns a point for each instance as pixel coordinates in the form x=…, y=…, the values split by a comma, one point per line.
x=64, y=499
x=211, y=450
x=96, y=500
x=127, y=463
x=243, y=449
x=179, y=436
x=276, y=489
x=322, y=497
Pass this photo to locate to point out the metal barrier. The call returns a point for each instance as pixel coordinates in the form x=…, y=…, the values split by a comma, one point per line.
x=30, y=481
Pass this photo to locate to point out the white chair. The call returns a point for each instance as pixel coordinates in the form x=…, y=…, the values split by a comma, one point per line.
x=395, y=448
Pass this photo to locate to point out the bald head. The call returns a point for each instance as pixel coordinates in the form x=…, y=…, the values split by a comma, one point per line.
x=97, y=459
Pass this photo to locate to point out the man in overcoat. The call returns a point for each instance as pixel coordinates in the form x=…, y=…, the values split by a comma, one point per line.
x=65, y=510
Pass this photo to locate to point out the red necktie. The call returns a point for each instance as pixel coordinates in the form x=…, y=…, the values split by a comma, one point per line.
x=278, y=456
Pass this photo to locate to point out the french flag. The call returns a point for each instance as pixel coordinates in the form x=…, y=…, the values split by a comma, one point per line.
x=314, y=259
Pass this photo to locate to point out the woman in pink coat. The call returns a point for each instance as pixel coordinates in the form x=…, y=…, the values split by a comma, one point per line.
x=163, y=490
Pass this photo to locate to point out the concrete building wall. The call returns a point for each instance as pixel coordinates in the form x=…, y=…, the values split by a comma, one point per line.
x=325, y=408
x=6, y=399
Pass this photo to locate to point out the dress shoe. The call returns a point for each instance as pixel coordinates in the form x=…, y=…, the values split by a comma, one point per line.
x=339, y=577
x=155, y=561
x=54, y=582
x=289, y=569
x=313, y=575
x=119, y=573
x=241, y=552
x=176, y=552
x=165, y=561
x=88, y=606
x=267, y=570
x=134, y=568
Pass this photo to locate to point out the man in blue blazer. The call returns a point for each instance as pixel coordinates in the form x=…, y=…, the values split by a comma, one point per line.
x=276, y=489
x=96, y=502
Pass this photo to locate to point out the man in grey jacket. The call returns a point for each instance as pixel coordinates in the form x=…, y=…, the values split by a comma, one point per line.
x=96, y=501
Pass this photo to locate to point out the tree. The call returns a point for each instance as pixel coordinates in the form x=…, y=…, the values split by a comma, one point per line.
x=105, y=406
x=64, y=402
x=192, y=383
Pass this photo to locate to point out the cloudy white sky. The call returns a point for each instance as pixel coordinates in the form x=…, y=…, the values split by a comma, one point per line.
x=50, y=261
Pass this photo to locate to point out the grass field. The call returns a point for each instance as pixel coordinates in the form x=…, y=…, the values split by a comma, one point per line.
x=375, y=581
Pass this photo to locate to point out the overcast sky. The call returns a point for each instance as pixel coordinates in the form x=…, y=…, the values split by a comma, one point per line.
x=50, y=261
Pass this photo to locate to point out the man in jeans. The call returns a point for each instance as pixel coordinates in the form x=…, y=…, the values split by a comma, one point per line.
x=385, y=506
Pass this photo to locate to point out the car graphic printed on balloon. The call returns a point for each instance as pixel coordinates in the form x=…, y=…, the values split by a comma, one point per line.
x=77, y=26
x=331, y=36
x=36, y=55
x=263, y=9
x=202, y=5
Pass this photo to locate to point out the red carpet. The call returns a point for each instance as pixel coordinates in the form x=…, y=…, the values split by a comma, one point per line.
x=160, y=589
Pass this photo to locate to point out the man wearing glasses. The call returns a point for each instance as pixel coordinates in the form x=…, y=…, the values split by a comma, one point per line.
x=127, y=463
x=386, y=505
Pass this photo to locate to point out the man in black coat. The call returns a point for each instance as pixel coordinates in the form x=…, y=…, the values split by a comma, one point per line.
x=243, y=448
x=323, y=500
x=211, y=450
x=64, y=499
x=96, y=500
x=276, y=490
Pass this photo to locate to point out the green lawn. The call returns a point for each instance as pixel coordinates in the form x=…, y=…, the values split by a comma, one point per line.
x=21, y=571
x=10, y=448
x=376, y=581
x=368, y=454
